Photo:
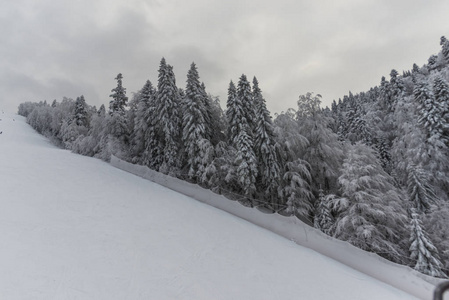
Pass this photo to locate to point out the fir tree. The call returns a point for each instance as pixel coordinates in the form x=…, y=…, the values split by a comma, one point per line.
x=240, y=136
x=445, y=48
x=374, y=216
x=119, y=99
x=117, y=122
x=246, y=98
x=145, y=101
x=296, y=190
x=422, y=251
x=419, y=189
x=429, y=112
x=441, y=92
x=265, y=147
x=194, y=124
x=81, y=112
x=231, y=113
x=168, y=121
x=323, y=217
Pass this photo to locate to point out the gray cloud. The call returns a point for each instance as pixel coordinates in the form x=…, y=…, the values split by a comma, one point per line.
x=52, y=49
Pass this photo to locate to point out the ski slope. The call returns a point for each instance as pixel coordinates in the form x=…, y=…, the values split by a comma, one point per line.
x=74, y=227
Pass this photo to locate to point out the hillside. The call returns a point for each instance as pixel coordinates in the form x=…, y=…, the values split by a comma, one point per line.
x=74, y=227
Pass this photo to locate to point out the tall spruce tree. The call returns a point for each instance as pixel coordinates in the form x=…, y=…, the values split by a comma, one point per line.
x=168, y=121
x=117, y=122
x=419, y=189
x=429, y=112
x=423, y=253
x=265, y=148
x=145, y=101
x=323, y=217
x=240, y=136
x=194, y=124
x=81, y=115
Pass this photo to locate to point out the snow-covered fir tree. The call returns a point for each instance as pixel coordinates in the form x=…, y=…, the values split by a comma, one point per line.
x=441, y=92
x=429, y=111
x=265, y=148
x=195, y=135
x=119, y=99
x=241, y=138
x=296, y=190
x=145, y=101
x=423, y=253
x=323, y=218
x=374, y=218
x=117, y=123
x=81, y=116
x=168, y=120
x=420, y=191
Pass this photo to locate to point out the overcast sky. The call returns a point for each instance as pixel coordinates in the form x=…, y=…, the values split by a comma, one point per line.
x=50, y=49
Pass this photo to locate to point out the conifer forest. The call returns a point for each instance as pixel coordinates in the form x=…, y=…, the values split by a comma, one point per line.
x=372, y=169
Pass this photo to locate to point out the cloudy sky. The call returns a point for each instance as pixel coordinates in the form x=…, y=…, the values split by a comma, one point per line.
x=50, y=49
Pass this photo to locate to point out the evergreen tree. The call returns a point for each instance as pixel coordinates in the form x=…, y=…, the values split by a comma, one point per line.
x=81, y=116
x=445, y=48
x=246, y=98
x=296, y=190
x=231, y=113
x=119, y=99
x=265, y=147
x=324, y=152
x=422, y=251
x=374, y=218
x=419, y=189
x=240, y=136
x=194, y=124
x=441, y=92
x=429, y=112
x=145, y=100
x=168, y=122
x=117, y=124
x=323, y=217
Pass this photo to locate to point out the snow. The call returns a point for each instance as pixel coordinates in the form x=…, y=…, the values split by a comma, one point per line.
x=74, y=227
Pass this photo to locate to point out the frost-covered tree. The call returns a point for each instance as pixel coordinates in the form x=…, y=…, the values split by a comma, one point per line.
x=194, y=124
x=441, y=93
x=81, y=116
x=419, y=189
x=168, y=121
x=119, y=99
x=423, y=253
x=323, y=218
x=231, y=113
x=429, y=112
x=297, y=191
x=241, y=138
x=324, y=151
x=265, y=147
x=444, y=48
x=246, y=99
x=117, y=123
x=374, y=218
x=144, y=102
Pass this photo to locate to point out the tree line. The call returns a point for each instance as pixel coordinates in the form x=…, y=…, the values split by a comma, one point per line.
x=372, y=170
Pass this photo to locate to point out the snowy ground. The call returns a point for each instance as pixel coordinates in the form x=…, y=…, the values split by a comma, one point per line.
x=73, y=227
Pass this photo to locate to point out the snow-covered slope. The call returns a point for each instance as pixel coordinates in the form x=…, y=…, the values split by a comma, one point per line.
x=74, y=227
